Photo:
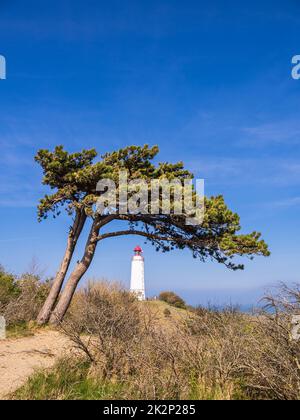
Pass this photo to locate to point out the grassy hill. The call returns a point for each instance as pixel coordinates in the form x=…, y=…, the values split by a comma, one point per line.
x=158, y=309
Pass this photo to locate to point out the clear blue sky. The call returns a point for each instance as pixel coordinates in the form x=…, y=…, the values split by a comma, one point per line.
x=207, y=81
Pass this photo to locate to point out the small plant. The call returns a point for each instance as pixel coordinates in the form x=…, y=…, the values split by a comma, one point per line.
x=167, y=313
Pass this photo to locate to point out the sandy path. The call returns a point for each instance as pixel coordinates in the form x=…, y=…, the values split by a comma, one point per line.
x=20, y=357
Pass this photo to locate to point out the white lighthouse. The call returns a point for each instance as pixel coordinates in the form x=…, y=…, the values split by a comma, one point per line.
x=137, y=282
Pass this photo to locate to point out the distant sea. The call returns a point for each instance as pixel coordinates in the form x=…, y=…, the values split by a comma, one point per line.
x=245, y=300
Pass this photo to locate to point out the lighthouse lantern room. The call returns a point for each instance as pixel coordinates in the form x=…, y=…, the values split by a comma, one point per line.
x=137, y=283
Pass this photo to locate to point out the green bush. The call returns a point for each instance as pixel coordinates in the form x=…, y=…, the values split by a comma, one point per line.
x=9, y=288
x=21, y=298
x=172, y=299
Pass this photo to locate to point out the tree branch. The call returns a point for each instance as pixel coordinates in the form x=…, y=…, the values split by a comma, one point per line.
x=135, y=232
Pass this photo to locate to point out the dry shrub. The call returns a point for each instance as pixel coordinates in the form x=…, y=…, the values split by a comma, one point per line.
x=273, y=363
x=219, y=338
x=256, y=353
x=127, y=343
x=210, y=354
x=104, y=322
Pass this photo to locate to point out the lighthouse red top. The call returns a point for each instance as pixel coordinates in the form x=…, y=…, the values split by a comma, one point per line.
x=138, y=250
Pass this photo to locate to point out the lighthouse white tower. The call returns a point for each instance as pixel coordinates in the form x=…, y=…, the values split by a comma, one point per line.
x=137, y=283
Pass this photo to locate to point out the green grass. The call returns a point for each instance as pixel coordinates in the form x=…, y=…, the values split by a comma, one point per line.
x=71, y=380
x=21, y=329
x=67, y=381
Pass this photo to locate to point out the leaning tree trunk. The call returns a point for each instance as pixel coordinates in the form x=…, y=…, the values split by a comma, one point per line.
x=74, y=234
x=75, y=277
